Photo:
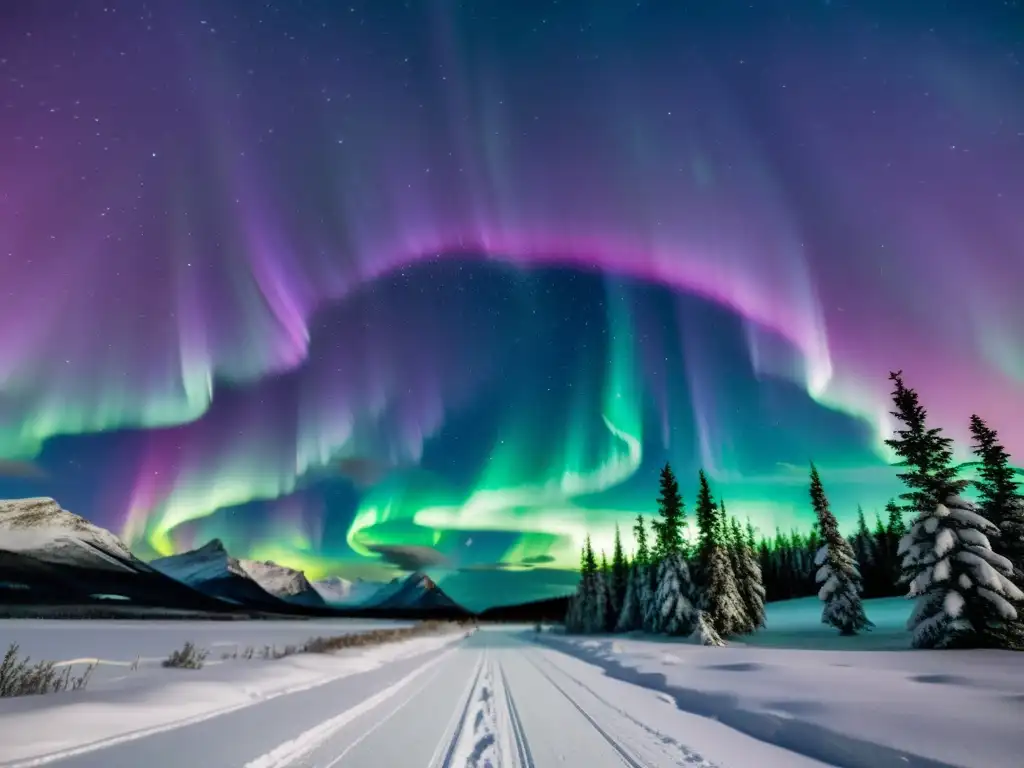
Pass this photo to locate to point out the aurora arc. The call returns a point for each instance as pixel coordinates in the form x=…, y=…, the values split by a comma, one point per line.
x=509, y=317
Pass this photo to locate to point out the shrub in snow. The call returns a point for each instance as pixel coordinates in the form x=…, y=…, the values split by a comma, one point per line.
x=837, y=569
x=964, y=594
x=189, y=657
x=18, y=677
x=705, y=633
x=673, y=612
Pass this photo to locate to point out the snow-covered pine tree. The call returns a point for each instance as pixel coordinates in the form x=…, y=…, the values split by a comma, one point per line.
x=619, y=578
x=586, y=612
x=725, y=602
x=704, y=632
x=672, y=610
x=837, y=571
x=638, y=591
x=748, y=576
x=719, y=595
x=1000, y=499
x=630, y=617
x=964, y=597
x=730, y=540
x=1001, y=502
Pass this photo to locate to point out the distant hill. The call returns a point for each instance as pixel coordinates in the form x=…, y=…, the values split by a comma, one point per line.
x=552, y=609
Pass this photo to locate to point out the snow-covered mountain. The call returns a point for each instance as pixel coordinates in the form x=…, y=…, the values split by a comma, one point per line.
x=415, y=592
x=41, y=529
x=283, y=582
x=49, y=556
x=207, y=563
x=212, y=569
x=338, y=591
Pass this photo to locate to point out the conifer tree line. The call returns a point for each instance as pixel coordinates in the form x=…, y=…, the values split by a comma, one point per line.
x=961, y=563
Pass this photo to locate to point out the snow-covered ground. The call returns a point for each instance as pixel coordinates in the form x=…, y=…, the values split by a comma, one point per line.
x=167, y=718
x=507, y=697
x=118, y=644
x=797, y=624
x=843, y=701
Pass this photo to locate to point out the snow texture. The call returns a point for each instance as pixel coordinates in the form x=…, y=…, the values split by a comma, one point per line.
x=963, y=590
x=338, y=591
x=674, y=613
x=280, y=581
x=705, y=633
x=506, y=697
x=812, y=702
x=40, y=528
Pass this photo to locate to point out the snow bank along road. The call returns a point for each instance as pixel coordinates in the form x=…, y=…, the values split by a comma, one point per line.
x=493, y=699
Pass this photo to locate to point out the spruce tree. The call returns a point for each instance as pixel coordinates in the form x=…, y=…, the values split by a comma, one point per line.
x=895, y=530
x=1000, y=499
x=864, y=550
x=638, y=591
x=963, y=596
x=706, y=514
x=1001, y=503
x=586, y=613
x=672, y=610
x=619, y=576
x=732, y=539
x=631, y=616
x=670, y=529
x=719, y=596
x=883, y=563
x=704, y=631
x=597, y=592
x=748, y=576
x=837, y=573
x=577, y=609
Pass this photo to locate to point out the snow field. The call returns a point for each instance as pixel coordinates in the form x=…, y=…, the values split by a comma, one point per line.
x=138, y=706
x=858, y=709
x=295, y=749
x=477, y=741
x=117, y=646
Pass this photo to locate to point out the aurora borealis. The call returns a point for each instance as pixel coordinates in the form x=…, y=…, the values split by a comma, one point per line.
x=369, y=284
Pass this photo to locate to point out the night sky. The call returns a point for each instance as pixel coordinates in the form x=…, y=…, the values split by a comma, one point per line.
x=365, y=285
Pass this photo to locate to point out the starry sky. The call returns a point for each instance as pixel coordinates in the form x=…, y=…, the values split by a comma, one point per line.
x=361, y=286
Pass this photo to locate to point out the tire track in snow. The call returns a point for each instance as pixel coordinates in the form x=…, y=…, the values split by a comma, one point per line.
x=518, y=733
x=690, y=758
x=614, y=743
x=452, y=753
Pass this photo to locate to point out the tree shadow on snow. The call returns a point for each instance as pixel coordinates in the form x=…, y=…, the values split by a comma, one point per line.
x=802, y=737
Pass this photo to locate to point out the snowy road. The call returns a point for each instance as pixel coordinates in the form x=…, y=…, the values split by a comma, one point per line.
x=494, y=699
